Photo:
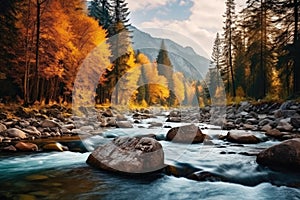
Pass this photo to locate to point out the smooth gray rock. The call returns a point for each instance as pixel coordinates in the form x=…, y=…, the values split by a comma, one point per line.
x=242, y=137
x=186, y=134
x=124, y=124
x=129, y=155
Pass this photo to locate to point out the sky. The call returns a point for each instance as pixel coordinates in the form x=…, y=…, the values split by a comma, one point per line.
x=192, y=23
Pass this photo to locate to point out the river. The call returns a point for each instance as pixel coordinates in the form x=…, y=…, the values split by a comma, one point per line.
x=65, y=175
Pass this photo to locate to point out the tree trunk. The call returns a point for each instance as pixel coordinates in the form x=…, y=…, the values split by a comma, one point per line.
x=296, y=50
x=262, y=50
x=27, y=58
x=36, y=70
x=230, y=62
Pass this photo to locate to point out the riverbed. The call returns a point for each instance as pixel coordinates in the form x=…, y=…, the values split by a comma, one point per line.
x=233, y=171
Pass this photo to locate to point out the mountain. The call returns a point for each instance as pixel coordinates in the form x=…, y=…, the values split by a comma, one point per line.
x=184, y=59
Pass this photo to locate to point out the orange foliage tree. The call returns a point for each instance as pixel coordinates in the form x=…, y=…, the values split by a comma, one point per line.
x=67, y=35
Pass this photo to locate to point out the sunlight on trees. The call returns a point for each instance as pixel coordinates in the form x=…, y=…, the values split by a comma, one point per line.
x=49, y=42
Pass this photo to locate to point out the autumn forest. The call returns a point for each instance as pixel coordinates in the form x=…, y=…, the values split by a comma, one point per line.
x=45, y=42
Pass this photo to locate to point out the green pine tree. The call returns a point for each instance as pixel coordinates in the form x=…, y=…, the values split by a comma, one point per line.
x=165, y=68
x=228, y=36
x=100, y=10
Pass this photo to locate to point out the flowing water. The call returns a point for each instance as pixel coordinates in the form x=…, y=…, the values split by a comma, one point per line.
x=65, y=175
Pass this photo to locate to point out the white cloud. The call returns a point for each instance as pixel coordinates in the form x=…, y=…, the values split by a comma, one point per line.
x=180, y=32
x=135, y=5
x=205, y=21
x=201, y=27
x=182, y=3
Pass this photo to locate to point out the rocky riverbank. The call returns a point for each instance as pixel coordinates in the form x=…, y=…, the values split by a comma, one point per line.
x=245, y=131
x=277, y=121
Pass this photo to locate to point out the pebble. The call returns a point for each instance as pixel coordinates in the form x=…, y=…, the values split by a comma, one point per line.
x=2, y=127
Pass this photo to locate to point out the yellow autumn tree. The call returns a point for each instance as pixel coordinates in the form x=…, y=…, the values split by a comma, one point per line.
x=178, y=80
x=127, y=84
x=149, y=87
x=87, y=76
x=88, y=52
x=67, y=36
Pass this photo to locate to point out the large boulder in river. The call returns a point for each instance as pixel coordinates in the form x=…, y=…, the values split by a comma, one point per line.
x=242, y=137
x=129, y=155
x=283, y=156
x=186, y=134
